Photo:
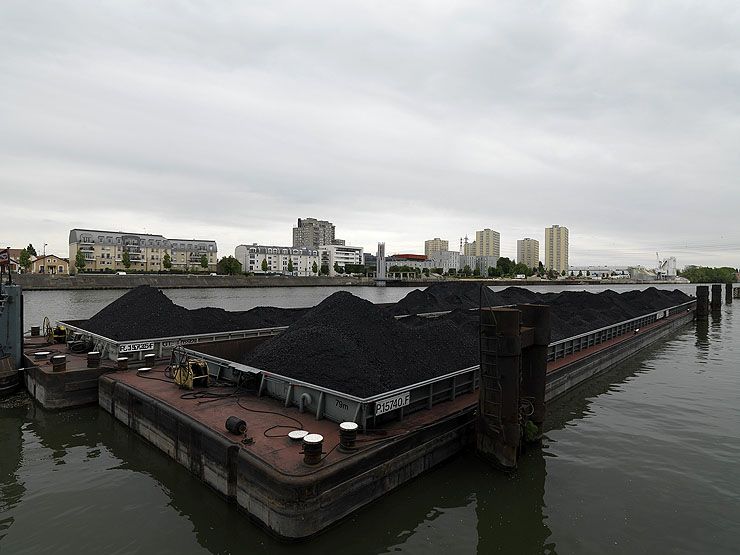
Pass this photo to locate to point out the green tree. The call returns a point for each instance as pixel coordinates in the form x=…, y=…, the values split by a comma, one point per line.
x=167, y=261
x=522, y=269
x=562, y=273
x=290, y=265
x=315, y=267
x=705, y=274
x=126, y=259
x=325, y=269
x=79, y=261
x=580, y=273
x=264, y=265
x=452, y=272
x=336, y=268
x=476, y=271
x=229, y=265
x=505, y=265
x=204, y=261
x=551, y=274
x=31, y=250
x=541, y=268
x=24, y=259
x=588, y=273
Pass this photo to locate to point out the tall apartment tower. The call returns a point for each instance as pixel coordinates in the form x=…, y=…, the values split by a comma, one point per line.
x=556, y=248
x=487, y=243
x=311, y=232
x=435, y=245
x=528, y=252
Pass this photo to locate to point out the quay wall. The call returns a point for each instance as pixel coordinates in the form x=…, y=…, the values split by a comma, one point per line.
x=49, y=282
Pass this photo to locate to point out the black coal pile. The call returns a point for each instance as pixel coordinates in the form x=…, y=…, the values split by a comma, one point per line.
x=145, y=312
x=453, y=295
x=349, y=344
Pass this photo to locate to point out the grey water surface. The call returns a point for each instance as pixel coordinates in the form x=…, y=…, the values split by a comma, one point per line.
x=641, y=460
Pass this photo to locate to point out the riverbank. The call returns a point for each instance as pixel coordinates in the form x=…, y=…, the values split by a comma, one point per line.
x=41, y=282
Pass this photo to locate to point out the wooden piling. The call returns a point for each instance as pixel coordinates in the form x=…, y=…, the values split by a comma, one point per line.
x=728, y=293
x=716, y=296
x=702, y=302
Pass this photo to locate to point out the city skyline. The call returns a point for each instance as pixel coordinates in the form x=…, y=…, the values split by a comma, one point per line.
x=618, y=121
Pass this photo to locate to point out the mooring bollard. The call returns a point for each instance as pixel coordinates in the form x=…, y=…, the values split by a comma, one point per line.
x=35, y=331
x=716, y=296
x=312, y=447
x=59, y=363
x=150, y=359
x=41, y=355
x=728, y=293
x=122, y=363
x=93, y=359
x=348, y=436
x=702, y=302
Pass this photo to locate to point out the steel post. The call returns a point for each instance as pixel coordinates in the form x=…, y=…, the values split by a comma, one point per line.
x=498, y=433
x=728, y=293
x=534, y=360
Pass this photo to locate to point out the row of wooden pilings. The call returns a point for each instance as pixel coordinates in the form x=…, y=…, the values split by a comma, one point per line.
x=703, y=304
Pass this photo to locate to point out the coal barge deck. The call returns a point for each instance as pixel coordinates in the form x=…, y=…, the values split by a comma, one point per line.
x=265, y=473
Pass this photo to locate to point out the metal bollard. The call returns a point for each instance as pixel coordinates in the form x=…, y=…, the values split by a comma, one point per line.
x=312, y=449
x=41, y=355
x=93, y=359
x=35, y=331
x=59, y=363
x=122, y=363
x=347, y=436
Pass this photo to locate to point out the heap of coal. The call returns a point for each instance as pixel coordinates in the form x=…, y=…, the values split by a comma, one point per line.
x=145, y=312
x=351, y=345
x=572, y=313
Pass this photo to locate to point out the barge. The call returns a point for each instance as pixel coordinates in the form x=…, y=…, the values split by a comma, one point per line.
x=293, y=488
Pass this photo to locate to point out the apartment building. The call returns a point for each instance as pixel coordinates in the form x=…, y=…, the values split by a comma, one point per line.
x=487, y=243
x=261, y=259
x=435, y=245
x=556, y=248
x=313, y=233
x=528, y=252
x=104, y=250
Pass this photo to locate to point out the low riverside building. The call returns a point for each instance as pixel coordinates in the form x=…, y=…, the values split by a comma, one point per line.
x=49, y=264
x=263, y=259
x=599, y=272
x=104, y=251
x=341, y=255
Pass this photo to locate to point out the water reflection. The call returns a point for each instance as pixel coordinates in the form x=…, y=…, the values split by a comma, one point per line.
x=12, y=487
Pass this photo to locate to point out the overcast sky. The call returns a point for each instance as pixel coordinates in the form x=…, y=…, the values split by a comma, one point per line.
x=397, y=121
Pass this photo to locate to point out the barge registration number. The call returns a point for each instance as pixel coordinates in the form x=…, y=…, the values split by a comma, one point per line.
x=391, y=403
x=133, y=347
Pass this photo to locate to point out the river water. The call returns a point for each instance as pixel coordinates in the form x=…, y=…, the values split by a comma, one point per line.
x=642, y=460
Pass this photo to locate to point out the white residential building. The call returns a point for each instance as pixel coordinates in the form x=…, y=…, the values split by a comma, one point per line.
x=261, y=259
x=341, y=255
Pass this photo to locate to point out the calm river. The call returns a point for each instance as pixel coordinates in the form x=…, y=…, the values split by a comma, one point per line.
x=643, y=460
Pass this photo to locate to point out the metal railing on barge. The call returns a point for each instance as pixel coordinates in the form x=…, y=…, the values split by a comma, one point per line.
x=161, y=346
